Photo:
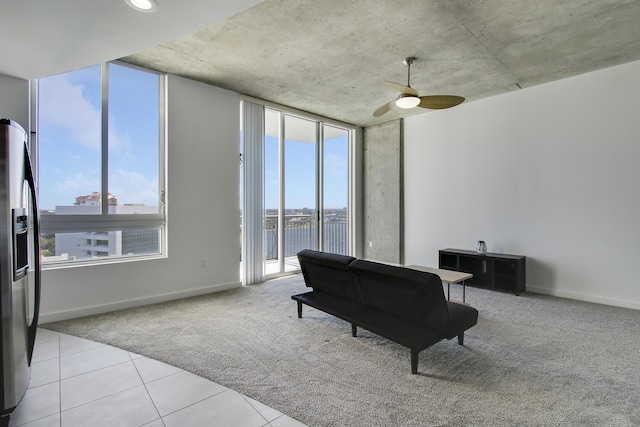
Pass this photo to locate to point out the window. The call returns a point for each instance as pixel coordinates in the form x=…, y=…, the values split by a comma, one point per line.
x=101, y=163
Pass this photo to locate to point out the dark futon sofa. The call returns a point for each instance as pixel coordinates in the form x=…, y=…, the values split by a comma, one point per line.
x=403, y=305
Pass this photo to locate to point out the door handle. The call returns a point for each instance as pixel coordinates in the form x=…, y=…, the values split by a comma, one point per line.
x=33, y=327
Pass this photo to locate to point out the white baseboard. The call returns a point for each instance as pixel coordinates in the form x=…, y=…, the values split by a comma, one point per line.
x=585, y=297
x=137, y=302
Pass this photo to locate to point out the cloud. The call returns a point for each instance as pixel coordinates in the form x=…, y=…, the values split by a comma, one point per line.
x=134, y=188
x=74, y=185
x=65, y=106
x=119, y=141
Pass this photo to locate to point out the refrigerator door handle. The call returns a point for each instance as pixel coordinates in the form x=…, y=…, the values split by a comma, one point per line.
x=33, y=327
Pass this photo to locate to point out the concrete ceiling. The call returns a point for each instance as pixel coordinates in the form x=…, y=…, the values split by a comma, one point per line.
x=331, y=57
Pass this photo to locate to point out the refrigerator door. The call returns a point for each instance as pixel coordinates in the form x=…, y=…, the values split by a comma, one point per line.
x=14, y=263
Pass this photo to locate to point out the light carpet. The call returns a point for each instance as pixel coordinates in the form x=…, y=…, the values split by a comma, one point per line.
x=531, y=360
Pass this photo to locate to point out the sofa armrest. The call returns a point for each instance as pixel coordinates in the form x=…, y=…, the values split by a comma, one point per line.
x=461, y=318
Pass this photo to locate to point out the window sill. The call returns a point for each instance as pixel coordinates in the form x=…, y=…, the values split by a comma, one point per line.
x=100, y=261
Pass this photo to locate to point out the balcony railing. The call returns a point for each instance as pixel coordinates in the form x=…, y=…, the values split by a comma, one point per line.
x=300, y=232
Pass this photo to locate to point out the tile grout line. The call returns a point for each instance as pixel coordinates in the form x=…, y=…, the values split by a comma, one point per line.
x=85, y=350
x=60, y=379
x=95, y=370
x=199, y=401
x=112, y=394
x=144, y=384
x=97, y=400
x=44, y=385
x=255, y=409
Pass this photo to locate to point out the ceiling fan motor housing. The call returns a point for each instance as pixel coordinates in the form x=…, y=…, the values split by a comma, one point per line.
x=408, y=60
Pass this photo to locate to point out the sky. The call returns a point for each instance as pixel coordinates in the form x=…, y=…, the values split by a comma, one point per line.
x=300, y=174
x=69, y=134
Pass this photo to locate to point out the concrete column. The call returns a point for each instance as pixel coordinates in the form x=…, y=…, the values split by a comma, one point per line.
x=383, y=192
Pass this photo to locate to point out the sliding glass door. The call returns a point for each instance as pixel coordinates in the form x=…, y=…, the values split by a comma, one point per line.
x=306, y=189
x=300, y=178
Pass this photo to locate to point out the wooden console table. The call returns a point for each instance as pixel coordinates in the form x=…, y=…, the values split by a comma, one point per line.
x=502, y=272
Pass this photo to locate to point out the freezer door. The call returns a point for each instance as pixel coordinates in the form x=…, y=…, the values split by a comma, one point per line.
x=13, y=302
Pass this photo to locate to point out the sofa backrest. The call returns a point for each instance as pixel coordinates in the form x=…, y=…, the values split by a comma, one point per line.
x=414, y=296
x=328, y=273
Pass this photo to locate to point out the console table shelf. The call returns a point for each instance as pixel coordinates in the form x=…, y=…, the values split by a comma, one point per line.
x=502, y=272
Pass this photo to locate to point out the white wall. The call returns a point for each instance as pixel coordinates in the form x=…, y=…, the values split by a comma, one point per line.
x=203, y=217
x=14, y=100
x=550, y=172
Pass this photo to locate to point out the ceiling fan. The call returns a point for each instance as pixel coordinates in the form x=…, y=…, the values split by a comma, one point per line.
x=409, y=97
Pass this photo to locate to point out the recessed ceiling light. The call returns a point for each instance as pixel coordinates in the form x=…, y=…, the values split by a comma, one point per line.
x=148, y=6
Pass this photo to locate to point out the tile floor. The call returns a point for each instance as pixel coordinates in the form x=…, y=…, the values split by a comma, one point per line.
x=77, y=382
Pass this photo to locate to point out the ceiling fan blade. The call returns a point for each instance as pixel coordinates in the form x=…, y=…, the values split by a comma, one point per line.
x=384, y=108
x=402, y=88
x=440, y=102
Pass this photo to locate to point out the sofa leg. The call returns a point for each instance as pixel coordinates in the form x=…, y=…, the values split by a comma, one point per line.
x=414, y=361
x=354, y=330
x=299, y=309
x=461, y=339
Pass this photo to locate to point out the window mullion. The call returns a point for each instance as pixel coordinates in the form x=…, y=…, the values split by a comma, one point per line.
x=162, y=132
x=320, y=185
x=104, y=161
x=281, y=192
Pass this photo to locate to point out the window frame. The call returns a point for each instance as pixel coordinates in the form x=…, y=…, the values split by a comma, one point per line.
x=105, y=221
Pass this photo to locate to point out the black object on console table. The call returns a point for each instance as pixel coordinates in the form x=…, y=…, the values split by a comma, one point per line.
x=502, y=272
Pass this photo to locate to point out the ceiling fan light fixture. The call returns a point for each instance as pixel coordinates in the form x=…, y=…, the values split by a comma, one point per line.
x=409, y=97
x=148, y=6
x=407, y=101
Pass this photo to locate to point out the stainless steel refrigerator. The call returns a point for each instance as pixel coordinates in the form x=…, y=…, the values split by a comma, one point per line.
x=19, y=265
